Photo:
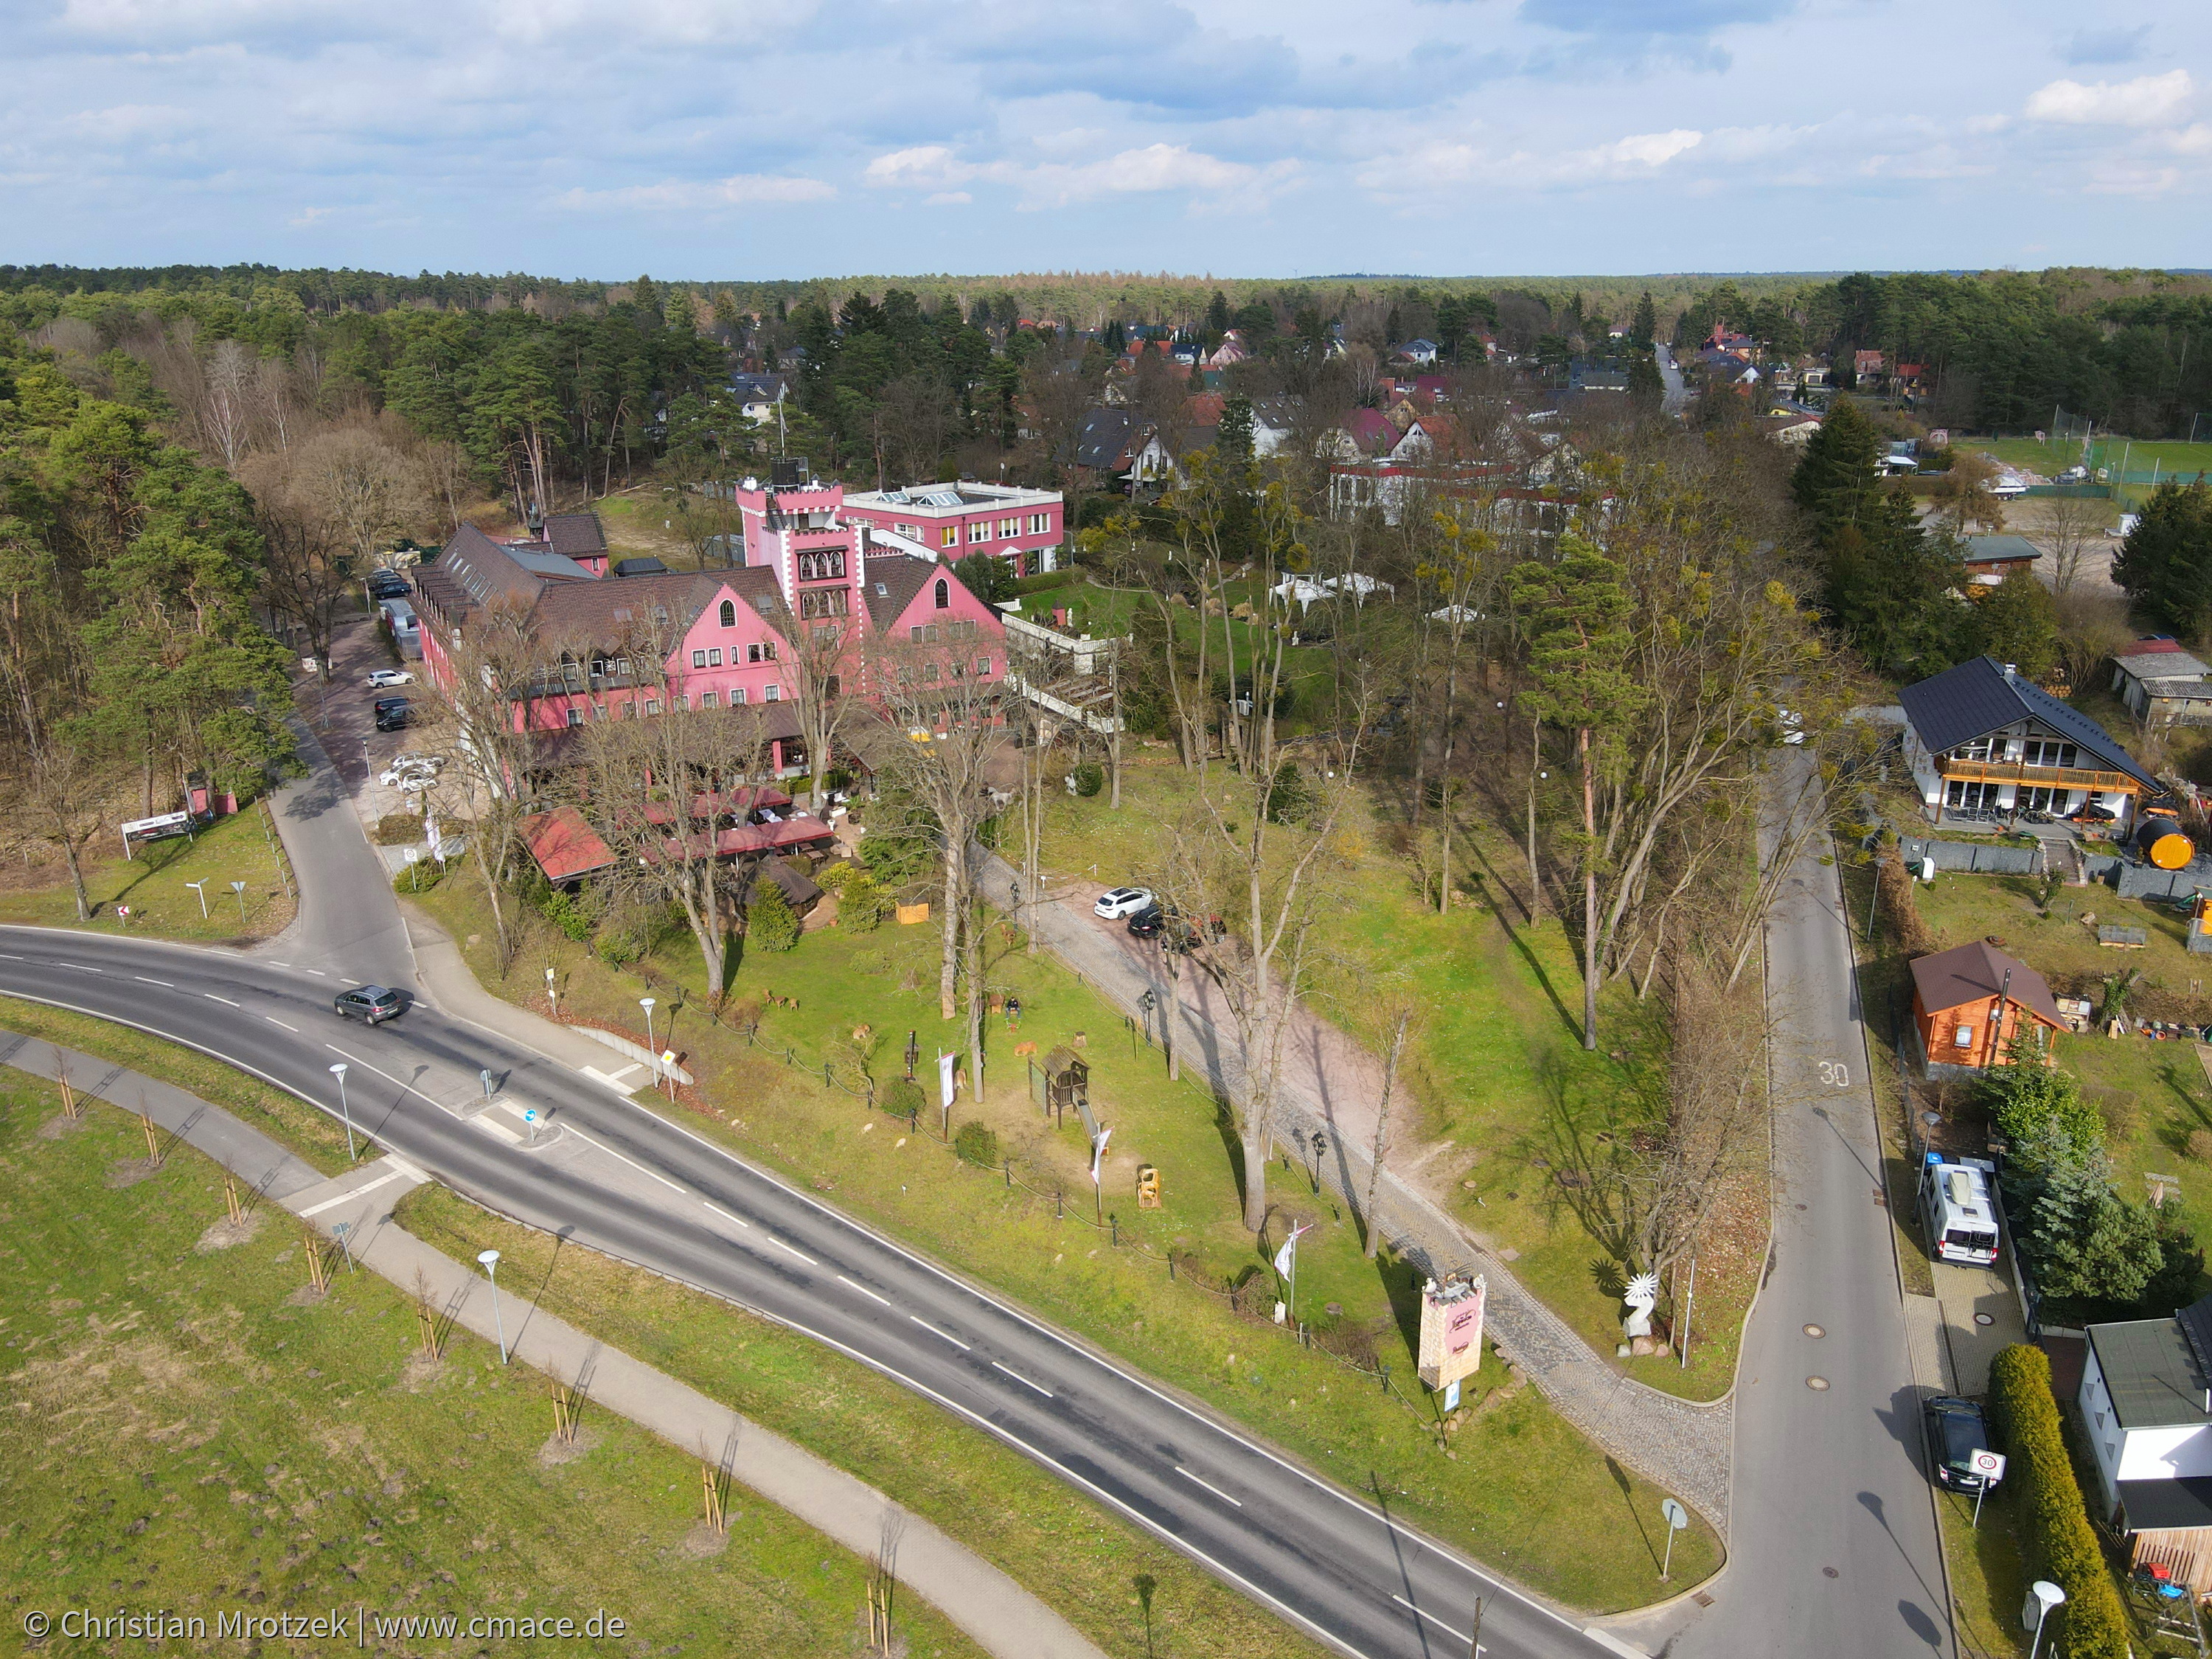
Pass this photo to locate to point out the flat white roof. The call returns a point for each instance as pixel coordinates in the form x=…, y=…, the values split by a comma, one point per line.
x=965, y=496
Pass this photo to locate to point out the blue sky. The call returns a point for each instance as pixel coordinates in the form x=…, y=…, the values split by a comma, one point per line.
x=758, y=138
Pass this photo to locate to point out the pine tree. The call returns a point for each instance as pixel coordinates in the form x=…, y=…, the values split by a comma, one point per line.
x=1643, y=326
x=2017, y=622
x=2164, y=565
x=771, y=924
x=1839, y=481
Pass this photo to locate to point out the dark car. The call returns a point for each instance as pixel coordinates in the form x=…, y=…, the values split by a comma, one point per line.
x=372, y=1003
x=393, y=714
x=1956, y=1430
x=1147, y=922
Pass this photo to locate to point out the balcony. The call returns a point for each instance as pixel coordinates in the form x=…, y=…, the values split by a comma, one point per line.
x=2055, y=777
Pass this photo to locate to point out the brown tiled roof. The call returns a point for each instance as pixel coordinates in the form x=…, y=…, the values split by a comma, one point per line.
x=1976, y=973
x=601, y=612
x=576, y=535
x=892, y=583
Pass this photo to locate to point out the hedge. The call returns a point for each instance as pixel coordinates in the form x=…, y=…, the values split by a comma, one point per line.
x=2059, y=1542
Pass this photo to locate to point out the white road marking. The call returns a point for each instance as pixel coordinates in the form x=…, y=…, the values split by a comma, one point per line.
x=79, y=968
x=365, y=1187
x=318, y=973
x=273, y=962
x=492, y=1125
x=212, y=997
x=632, y=1162
x=1020, y=1378
x=163, y=983
x=863, y=1290
x=933, y=1331
x=725, y=1215
x=599, y=1076
x=1226, y=1498
x=273, y=1020
x=1423, y=1612
x=793, y=1248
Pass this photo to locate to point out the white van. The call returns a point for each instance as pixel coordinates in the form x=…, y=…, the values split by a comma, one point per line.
x=1958, y=1210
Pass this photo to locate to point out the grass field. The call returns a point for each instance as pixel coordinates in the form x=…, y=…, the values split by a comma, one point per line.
x=188, y=1427
x=1083, y=1561
x=1518, y=1486
x=152, y=884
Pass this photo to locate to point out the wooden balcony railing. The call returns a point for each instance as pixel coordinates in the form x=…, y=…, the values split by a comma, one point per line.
x=2056, y=777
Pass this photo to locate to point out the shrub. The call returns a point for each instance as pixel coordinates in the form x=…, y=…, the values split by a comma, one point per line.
x=903, y=1099
x=2059, y=1542
x=770, y=922
x=418, y=878
x=977, y=1144
x=565, y=912
x=2199, y=1146
x=2041, y=1111
x=1289, y=797
x=1090, y=779
x=861, y=904
x=398, y=830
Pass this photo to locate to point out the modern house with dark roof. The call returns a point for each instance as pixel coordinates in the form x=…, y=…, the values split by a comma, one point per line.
x=1981, y=739
x=1972, y=1005
x=2146, y=1399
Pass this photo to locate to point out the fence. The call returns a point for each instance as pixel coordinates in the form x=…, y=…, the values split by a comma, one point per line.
x=1973, y=857
x=2136, y=880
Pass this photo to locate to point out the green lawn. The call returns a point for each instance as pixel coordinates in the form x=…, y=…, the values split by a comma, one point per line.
x=190, y=1428
x=1075, y=1555
x=1517, y=1486
x=1495, y=1064
x=152, y=883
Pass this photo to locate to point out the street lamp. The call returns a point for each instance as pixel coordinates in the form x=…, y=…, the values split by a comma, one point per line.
x=239, y=888
x=490, y=1259
x=2042, y=1596
x=200, y=887
x=338, y=1072
x=646, y=1003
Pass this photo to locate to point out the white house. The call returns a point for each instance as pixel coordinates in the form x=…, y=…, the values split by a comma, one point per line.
x=2147, y=1405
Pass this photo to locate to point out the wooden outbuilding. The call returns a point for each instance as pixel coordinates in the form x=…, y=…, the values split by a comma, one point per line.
x=1957, y=996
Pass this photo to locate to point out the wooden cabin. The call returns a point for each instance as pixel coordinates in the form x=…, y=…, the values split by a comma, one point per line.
x=1956, y=999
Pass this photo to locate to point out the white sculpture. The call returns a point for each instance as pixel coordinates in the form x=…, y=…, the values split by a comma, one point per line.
x=1643, y=1296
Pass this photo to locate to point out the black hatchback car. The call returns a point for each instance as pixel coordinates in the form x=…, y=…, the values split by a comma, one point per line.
x=372, y=1003
x=1956, y=1430
x=1147, y=922
x=393, y=713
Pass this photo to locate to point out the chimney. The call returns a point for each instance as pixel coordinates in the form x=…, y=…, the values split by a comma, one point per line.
x=2011, y=670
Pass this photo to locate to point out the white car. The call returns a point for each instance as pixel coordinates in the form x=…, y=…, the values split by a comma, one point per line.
x=408, y=774
x=1121, y=901
x=383, y=677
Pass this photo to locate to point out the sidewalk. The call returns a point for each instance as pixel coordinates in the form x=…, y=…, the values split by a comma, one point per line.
x=1333, y=1085
x=1001, y=1616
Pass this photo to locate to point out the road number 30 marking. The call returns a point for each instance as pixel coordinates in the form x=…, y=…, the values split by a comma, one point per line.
x=1835, y=1073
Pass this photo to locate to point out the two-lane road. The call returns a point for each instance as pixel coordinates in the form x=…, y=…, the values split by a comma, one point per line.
x=619, y=1178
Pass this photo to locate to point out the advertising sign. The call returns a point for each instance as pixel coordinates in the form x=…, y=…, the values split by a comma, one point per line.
x=1451, y=1330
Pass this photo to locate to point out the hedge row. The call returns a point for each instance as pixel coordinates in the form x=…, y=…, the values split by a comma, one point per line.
x=2060, y=1543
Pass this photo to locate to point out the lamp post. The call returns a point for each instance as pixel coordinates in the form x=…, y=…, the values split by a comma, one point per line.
x=490, y=1260
x=2042, y=1596
x=338, y=1072
x=237, y=888
x=200, y=887
x=646, y=1003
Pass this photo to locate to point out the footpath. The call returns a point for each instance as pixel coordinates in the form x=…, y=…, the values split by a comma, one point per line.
x=991, y=1607
x=1330, y=1085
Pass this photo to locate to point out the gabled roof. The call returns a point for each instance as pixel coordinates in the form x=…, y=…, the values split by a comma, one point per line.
x=2001, y=550
x=1102, y=439
x=576, y=535
x=483, y=571
x=1977, y=973
x=1978, y=698
x=564, y=844
x=891, y=584
x=603, y=613
x=2159, y=659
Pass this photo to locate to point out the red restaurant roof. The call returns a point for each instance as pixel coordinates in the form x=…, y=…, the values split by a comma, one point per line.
x=564, y=845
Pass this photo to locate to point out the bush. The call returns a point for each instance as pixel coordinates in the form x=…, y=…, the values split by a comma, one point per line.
x=1289, y=797
x=977, y=1144
x=903, y=1099
x=2059, y=1542
x=2041, y=1111
x=565, y=912
x=398, y=830
x=861, y=904
x=1090, y=779
x=1045, y=580
x=770, y=922
x=418, y=878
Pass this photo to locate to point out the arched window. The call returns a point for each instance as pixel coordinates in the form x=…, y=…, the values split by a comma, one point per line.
x=729, y=614
x=944, y=595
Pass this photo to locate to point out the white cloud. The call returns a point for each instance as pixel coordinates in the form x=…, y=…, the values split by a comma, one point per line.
x=738, y=190
x=2149, y=101
x=1646, y=149
x=1146, y=169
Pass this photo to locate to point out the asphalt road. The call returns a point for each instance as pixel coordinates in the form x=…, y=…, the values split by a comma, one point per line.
x=1329, y=1561
x=1833, y=1529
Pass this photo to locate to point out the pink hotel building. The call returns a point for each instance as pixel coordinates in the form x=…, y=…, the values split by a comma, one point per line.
x=952, y=520
x=806, y=565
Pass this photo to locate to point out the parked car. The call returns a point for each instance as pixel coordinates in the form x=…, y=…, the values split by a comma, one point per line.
x=411, y=780
x=382, y=676
x=1956, y=1430
x=1121, y=901
x=1148, y=922
x=393, y=714
x=372, y=1003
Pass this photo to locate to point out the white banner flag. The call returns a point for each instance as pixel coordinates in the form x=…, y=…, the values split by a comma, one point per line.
x=945, y=1064
x=1288, y=1256
x=1098, y=1154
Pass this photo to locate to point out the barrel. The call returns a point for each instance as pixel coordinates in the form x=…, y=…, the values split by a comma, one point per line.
x=2171, y=850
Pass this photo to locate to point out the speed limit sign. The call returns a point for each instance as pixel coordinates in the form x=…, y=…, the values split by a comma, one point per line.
x=1990, y=1465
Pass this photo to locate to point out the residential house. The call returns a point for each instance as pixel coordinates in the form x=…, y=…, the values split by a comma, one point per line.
x=577, y=536
x=759, y=396
x=1979, y=739
x=1988, y=559
x=1365, y=434
x=1232, y=350
x=1789, y=427
x=1026, y=528
x=1417, y=351
x=2163, y=683
x=2146, y=1401
x=1866, y=370
x=1975, y=1007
